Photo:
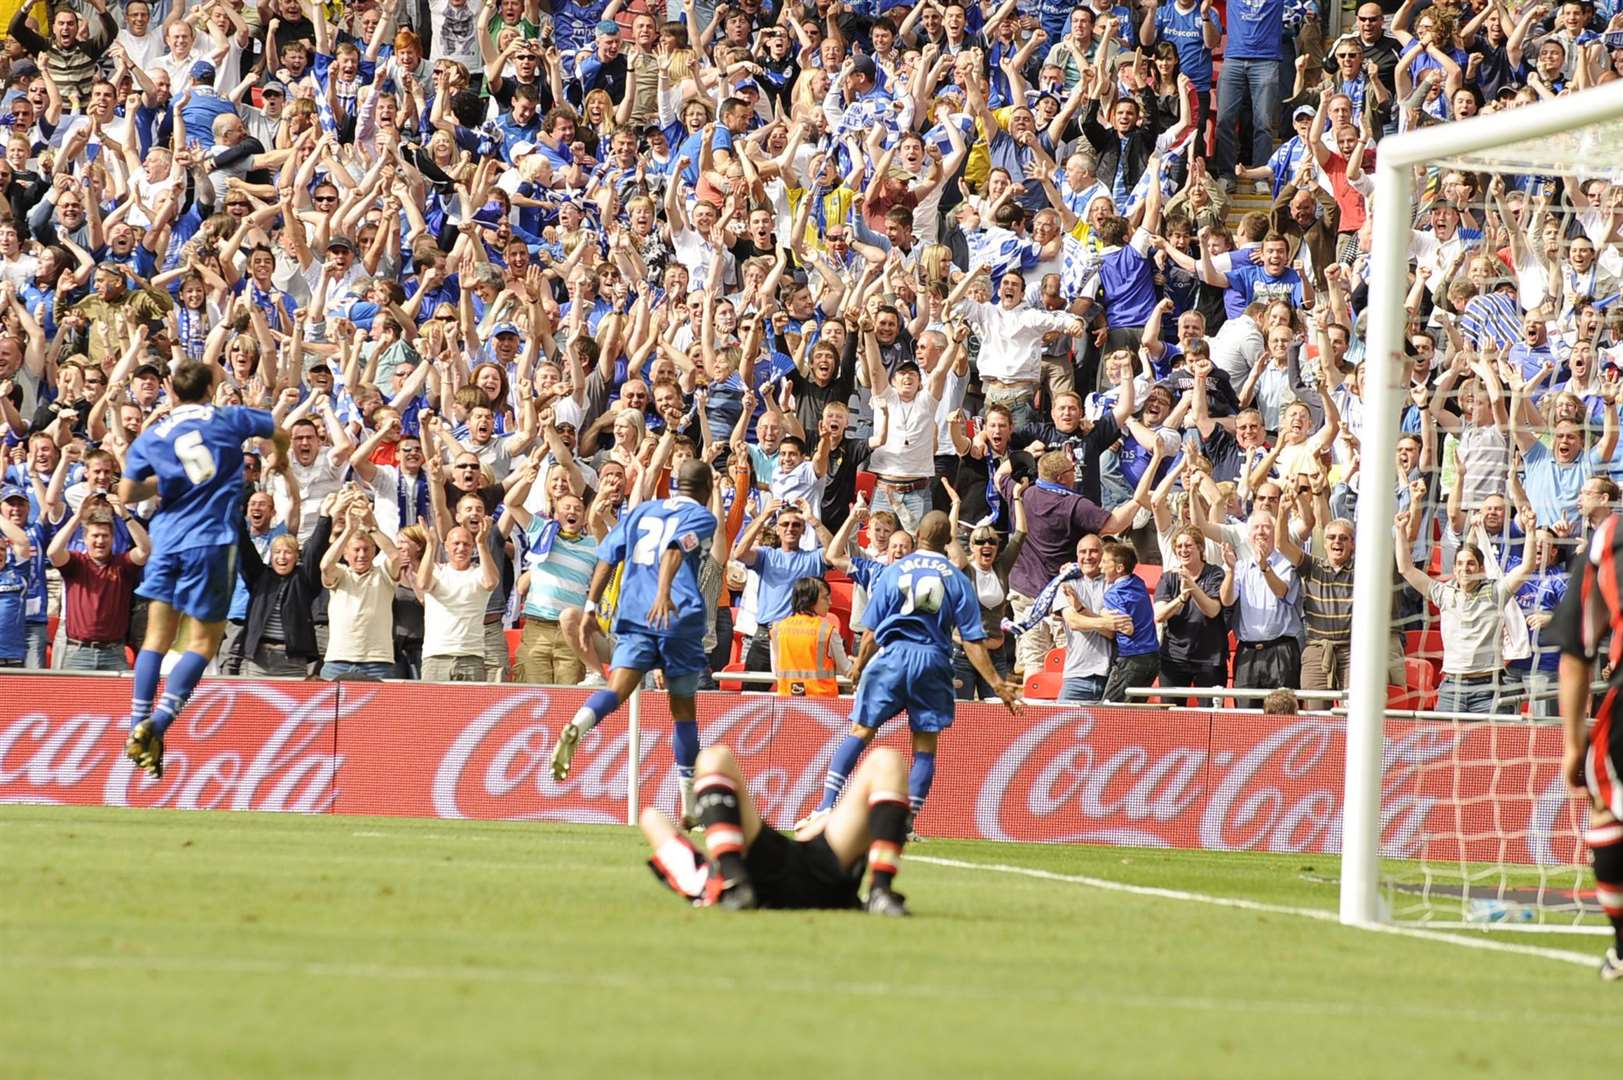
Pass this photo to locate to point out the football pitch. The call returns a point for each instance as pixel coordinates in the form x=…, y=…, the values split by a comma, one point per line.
x=140, y=943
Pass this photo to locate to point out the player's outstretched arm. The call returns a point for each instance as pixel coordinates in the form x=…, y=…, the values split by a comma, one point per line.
x=981, y=660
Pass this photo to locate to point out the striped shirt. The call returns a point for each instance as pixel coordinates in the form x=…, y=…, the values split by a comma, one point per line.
x=1327, y=600
x=1484, y=456
x=1493, y=318
x=559, y=578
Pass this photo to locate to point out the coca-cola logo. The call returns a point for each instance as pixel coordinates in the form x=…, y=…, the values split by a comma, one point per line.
x=238, y=746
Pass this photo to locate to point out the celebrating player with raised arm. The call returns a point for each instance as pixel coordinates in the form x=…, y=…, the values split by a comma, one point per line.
x=906, y=663
x=192, y=460
x=659, y=621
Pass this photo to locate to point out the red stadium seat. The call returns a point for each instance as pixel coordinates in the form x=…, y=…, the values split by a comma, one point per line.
x=1422, y=680
x=731, y=686
x=513, y=637
x=1054, y=660
x=1043, y=685
x=840, y=606
x=737, y=653
x=1151, y=576
x=51, y=623
x=866, y=482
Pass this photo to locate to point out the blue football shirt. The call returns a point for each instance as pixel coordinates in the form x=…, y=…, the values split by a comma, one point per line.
x=921, y=600
x=639, y=541
x=196, y=455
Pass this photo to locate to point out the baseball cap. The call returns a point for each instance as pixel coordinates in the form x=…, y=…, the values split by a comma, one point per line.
x=504, y=328
x=1303, y=110
x=273, y=86
x=1445, y=204
x=146, y=371
x=360, y=312
x=863, y=65
x=341, y=241
x=12, y=491
x=521, y=148
x=608, y=28
x=202, y=71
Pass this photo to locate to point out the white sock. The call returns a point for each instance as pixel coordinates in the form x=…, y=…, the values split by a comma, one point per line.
x=585, y=719
x=690, y=809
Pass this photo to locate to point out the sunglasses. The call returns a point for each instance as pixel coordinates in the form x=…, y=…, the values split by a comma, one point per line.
x=989, y=541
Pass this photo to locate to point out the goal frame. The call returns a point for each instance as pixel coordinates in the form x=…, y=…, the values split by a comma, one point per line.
x=1383, y=392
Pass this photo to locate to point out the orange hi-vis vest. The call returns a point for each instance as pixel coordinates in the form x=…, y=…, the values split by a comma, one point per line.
x=804, y=647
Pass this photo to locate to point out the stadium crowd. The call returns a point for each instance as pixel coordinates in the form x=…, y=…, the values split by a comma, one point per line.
x=1054, y=268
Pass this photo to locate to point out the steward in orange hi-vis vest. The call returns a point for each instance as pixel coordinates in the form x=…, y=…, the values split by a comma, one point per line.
x=803, y=656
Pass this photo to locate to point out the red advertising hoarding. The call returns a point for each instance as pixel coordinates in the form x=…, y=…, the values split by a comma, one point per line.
x=1064, y=774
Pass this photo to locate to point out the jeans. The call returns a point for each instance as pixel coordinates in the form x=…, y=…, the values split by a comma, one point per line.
x=34, y=643
x=1473, y=698
x=334, y=670
x=967, y=684
x=1082, y=688
x=1242, y=81
x=94, y=658
x=909, y=507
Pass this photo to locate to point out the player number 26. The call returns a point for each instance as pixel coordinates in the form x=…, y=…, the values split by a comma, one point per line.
x=195, y=458
x=925, y=595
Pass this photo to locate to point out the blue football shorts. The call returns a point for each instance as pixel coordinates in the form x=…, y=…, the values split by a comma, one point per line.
x=194, y=581
x=917, y=678
x=680, y=656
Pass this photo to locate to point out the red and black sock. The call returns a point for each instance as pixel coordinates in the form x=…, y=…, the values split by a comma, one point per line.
x=716, y=799
x=887, y=824
x=1606, y=846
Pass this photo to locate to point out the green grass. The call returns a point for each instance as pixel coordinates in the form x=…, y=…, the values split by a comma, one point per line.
x=169, y=944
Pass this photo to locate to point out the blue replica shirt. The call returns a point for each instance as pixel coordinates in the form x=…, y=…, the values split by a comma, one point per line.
x=1542, y=593
x=1186, y=31
x=690, y=149
x=779, y=570
x=1254, y=283
x=1256, y=28
x=921, y=600
x=639, y=541
x=1130, y=596
x=196, y=455
x=1552, y=487
x=16, y=578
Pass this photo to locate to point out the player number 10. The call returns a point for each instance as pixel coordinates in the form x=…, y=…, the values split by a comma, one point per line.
x=924, y=597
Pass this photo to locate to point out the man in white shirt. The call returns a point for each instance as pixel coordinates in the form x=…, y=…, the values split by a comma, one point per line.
x=140, y=44
x=1011, y=333
x=905, y=461
x=316, y=472
x=360, y=605
x=454, y=598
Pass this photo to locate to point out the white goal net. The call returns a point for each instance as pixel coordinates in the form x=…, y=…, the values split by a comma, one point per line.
x=1456, y=813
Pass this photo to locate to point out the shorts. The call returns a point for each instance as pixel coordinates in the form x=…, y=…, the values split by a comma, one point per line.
x=801, y=873
x=1602, y=764
x=681, y=657
x=194, y=581
x=911, y=677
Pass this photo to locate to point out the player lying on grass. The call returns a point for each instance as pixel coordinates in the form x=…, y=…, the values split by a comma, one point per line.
x=751, y=865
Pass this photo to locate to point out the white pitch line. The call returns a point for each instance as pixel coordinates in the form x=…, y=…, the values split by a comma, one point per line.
x=1317, y=914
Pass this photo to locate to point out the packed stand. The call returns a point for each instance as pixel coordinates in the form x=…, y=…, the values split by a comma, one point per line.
x=500, y=271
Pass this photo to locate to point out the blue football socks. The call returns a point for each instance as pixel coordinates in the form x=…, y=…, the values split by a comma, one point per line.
x=844, y=761
x=183, y=679
x=148, y=670
x=919, y=779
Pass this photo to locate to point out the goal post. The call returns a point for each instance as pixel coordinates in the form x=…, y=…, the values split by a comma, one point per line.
x=1564, y=136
